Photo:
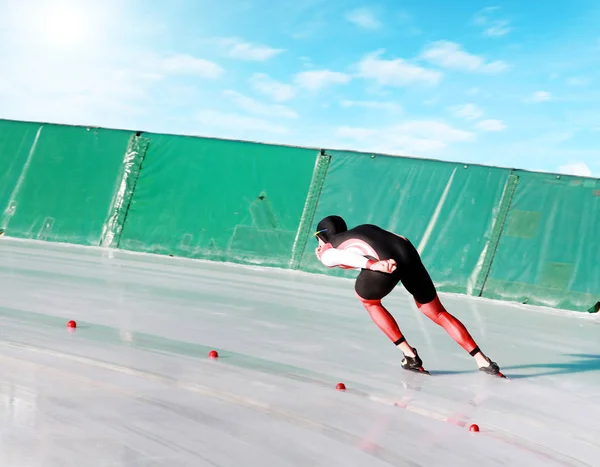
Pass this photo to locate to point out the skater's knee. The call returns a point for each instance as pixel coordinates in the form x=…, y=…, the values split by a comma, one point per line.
x=425, y=294
x=433, y=309
x=430, y=299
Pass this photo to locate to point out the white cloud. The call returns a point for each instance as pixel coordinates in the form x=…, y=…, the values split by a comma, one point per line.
x=540, y=96
x=450, y=55
x=492, y=27
x=180, y=95
x=318, y=79
x=578, y=168
x=499, y=28
x=242, y=50
x=108, y=88
x=279, y=92
x=410, y=138
x=396, y=72
x=491, y=125
x=236, y=124
x=467, y=111
x=186, y=64
x=578, y=81
x=387, y=106
x=258, y=108
x=364, y=18
x=546, y=149
x=306, y=62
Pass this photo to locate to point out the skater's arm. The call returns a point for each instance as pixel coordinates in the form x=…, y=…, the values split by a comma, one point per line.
x=346, y=259
x=332, y=257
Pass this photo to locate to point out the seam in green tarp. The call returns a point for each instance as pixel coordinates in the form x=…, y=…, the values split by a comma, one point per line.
x=132, y=163
x=310, y=208
x=504, y=208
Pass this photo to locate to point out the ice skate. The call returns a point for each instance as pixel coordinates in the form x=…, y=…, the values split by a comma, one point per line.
x=414, y=363
x=492, y=369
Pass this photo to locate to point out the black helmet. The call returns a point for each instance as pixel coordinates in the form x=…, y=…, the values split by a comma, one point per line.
x=329, y=226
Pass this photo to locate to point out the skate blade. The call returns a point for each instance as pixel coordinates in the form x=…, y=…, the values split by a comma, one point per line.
x=497, y=375
x=418, y=370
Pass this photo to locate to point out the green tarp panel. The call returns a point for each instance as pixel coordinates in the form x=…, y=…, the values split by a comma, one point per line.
x=64, y=188
x=446, y=210
x=549, y=251
x=219, y=200
x=16, y=141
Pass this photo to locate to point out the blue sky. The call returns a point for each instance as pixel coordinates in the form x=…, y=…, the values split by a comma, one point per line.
x=512, y=83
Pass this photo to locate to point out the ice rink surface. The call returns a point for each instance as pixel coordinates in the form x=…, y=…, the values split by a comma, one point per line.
x=132, y=385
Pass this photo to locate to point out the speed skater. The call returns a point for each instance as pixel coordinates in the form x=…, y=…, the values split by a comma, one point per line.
x=384, y=259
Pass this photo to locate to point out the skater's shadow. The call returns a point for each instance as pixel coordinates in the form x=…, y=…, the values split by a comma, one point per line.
x=585, y=363
x=450, y=372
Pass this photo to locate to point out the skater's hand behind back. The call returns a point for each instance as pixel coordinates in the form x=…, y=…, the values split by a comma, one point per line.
x=388, y=266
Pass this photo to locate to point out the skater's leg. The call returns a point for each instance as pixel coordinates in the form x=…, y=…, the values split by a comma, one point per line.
x=386, y=322
x=417, y=281
x=436, y=312
x=370, y=288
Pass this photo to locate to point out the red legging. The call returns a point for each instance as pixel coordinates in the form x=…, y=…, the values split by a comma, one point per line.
x=434, y=310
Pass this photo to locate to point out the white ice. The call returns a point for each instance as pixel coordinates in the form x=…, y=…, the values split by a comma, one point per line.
x=133, y=386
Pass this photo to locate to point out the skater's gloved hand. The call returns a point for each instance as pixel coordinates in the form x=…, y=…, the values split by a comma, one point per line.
x=319, y=250
x=388, y=266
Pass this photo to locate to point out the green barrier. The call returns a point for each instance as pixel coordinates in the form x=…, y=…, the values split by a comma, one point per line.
x=483, y=231
x=17, y=139
x=446, y=210
x=63, y=190
x=219, y=200
x=549, y=252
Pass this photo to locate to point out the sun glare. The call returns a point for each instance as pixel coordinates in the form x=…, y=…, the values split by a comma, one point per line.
x=59, y=23
x=67, y=26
